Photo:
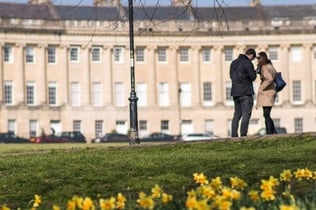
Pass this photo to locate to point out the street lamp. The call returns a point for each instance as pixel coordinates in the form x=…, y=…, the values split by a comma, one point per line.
x=132, y=98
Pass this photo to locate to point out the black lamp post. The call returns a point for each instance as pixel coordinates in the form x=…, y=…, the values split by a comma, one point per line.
x=132, y=98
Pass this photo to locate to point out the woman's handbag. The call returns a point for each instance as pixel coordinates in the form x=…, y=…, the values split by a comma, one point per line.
x=279, y=82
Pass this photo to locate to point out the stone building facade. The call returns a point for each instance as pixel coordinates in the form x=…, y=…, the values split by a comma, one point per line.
x=68, y=67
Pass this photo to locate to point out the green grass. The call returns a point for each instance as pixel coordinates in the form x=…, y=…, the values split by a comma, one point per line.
x=59, y=171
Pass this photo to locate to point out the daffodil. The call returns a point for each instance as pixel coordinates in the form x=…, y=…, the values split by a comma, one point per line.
x=237, y=183
x=200, y=178
x=146, y=202
x=254, y=195
x=225, y=205
x=107, y=204
x=288, y=207
x=190, y=203
x=4, y=207
x=156, y=191
x=166, y=198
x=216, y=183
x=286, y=176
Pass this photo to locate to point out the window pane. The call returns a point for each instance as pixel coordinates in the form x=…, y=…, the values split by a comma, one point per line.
x=297, y=92
x=75, y=94
x=8, y=92
x=162, y=54
x=296, y=53
x=96, y=54
x=184, y=54
x=273, y=53
x=29, y=54
x=51, y=54
x=140, y=54
x=185, y=94
x=142, y=94
x=30, y=91
x=206, y=54
x=163, y=94
x=8, y=54
x=228, y=53
x=119, y=94
x=98, y=128
x=74, y=54
x=52, y=93
x=33, y=127
x=97, y=94
x=77, y=125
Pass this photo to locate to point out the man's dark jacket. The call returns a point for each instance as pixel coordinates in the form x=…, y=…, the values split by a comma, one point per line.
x=242, y=74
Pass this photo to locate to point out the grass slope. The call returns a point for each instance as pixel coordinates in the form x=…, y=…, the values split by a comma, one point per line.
x=58, y=173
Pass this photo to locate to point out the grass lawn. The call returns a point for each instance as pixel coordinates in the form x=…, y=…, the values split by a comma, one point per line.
x=58, y=171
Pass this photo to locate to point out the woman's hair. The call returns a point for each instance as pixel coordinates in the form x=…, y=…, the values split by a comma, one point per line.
x=263, y=58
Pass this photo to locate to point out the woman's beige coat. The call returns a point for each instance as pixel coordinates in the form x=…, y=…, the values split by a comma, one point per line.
x=267, y=92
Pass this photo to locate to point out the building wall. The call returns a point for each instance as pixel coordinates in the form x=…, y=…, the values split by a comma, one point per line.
x=151, y=72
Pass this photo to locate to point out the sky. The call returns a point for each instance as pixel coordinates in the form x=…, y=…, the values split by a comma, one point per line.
x=199, y=3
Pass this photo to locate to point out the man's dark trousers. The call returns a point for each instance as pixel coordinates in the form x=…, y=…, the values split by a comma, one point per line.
x=243, y=109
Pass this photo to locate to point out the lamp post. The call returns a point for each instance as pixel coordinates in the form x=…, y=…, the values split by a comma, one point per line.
x=132, y=98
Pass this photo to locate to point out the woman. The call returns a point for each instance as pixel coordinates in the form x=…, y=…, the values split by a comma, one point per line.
x=267, y=91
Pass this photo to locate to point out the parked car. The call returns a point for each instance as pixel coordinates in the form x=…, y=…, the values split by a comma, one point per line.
x=262, y=131
x=197, y=137
x=10, y=137
x=111, y=137
x=62, y=137
x=158, y=136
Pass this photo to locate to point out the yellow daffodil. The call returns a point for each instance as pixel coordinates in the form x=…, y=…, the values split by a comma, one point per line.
x=202, y=205
x=37, y=201
x=55, y=207
x=120, y=203
x=247, y=208
x=166, y=198
x=88, y=204
x=268, y=195
x=200, y=178
x=191, y=194
x=254, y=195
x=216, y=183
x=207, y=192
x=107, y=204
x=71, y=205
x=299, y=174
x=4, y=207
x=235, y=194
x=156, y=191
x=308, y=173
x=190, y=203
x=288, y=207
x=266, y=185
x=226, y=193
x=237, y=183
x=286, y=176
x=274, y=181
x=225, y=205
x=146, y=202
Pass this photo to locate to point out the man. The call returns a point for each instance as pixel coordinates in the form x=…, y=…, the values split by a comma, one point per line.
x=242, y=74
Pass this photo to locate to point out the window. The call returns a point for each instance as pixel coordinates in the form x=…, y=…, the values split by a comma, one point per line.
x=273, y=53
x=11, y=125
x=119, y=94
x=8, y=92
x=209, y=127
x=29, y=54
x=185, y=94
x=184, y=54
x=228, y=51
x=298, y=125
x=121, y=126
x=163, y=94
x=8, y=54
x=314, y=52
x=296, y=53
x=142, y=94
x=143, y=125
x=98, y=128
x=229, y=98
x=76, y=125
x=277, y=122
x=30, y=93
x=207, y=93
x=164, y=126
x=96, y=54
x=140, y=54
x=52, y=93
x=162, y=54
x=297, y=92
x=33, y=127
x=206, y=55
x=97, y=94
x=51, y=55
x=75, y=94
x=229, y=127
x=118, y=53
x=74, y=54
